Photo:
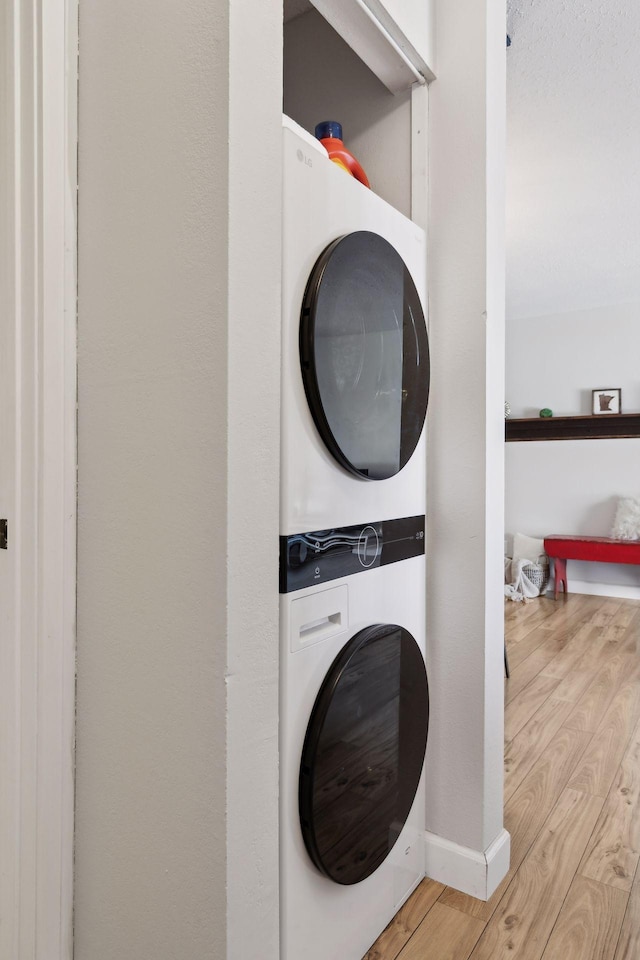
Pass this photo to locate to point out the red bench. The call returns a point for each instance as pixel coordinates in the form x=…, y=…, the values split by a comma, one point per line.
x=602, y=549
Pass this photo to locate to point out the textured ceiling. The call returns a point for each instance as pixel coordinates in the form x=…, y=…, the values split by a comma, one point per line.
x=573, y=155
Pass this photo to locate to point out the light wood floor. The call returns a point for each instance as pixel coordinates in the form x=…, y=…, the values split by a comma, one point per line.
x=572, y=800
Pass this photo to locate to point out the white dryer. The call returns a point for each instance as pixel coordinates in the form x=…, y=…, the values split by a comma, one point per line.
x=355, y=356
x=353, y=731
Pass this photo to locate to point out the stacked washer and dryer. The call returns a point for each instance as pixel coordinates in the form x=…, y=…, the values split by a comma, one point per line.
x=354, y=706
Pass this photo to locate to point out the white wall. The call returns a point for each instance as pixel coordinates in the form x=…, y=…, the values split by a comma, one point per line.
x=465, y=429
x=325, y=80
x=179, y=247
x=557, y=360
x=572, y=486
x=178, y=489
x=573, y=156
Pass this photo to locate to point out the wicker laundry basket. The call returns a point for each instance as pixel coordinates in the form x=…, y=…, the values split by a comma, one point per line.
x=538, y=573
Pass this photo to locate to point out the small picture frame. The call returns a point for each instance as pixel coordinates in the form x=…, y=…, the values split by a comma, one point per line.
x=606, y=401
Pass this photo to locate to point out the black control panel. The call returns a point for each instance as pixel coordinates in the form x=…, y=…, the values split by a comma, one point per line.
x=310, y=558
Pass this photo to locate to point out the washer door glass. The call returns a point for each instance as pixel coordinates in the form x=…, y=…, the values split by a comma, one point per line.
x=365, y=355
x=363, y=752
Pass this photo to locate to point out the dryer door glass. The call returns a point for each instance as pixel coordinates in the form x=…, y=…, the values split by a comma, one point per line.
x=363, y=753
x=365, y=355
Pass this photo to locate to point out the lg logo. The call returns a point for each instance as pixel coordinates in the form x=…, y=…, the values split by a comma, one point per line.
x=306, y=160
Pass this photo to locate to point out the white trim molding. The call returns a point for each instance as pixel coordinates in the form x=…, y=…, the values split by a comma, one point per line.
x=37, y=681
x=621, y=591
x=475, y=872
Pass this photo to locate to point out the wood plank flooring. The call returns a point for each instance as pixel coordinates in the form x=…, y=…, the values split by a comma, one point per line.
x=572, y=800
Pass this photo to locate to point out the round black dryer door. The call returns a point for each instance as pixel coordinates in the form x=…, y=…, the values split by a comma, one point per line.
x=365, y=355
x=363, y=752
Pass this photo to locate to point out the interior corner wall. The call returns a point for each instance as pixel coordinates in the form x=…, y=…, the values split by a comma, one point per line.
x=178, y=373
x=325, y=80
x=572, y=486
x=465, y=424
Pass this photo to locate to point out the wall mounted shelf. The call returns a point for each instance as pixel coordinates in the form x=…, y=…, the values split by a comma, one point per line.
x=598, y=427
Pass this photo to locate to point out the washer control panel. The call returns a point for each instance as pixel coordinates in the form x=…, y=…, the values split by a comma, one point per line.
x=307, y=559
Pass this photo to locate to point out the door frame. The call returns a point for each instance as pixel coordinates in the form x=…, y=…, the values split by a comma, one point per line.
x=38, y=113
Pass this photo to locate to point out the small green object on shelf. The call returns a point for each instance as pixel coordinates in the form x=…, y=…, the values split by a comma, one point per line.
x=545, y=412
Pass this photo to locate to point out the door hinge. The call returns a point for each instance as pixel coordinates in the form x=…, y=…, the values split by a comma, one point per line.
x=3, y=534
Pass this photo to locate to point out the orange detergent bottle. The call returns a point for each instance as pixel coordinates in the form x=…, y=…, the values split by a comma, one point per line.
x=329, y=133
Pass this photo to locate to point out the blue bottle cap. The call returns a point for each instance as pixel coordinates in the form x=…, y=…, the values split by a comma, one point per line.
x=329, y=128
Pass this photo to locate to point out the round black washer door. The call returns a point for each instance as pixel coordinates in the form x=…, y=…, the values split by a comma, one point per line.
x=363, y=752
x=364, y=353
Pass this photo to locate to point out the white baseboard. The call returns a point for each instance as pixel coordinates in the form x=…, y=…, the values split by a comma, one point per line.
x=621, y=591
x=475, y=872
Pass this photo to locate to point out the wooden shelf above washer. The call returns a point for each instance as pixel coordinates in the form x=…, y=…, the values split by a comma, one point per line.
x=593, y=427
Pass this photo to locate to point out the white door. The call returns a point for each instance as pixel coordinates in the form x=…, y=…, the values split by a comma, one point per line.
x=37, y=477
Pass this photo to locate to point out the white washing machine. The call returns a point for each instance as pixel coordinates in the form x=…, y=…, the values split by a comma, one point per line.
x=353, y=693
x=353, y=730
x=355, y=355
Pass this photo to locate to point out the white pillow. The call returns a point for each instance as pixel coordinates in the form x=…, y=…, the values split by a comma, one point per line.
x=626, y=525
x=527, y=548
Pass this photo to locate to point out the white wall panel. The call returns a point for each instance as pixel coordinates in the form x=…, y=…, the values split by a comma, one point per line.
x=572, y=486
